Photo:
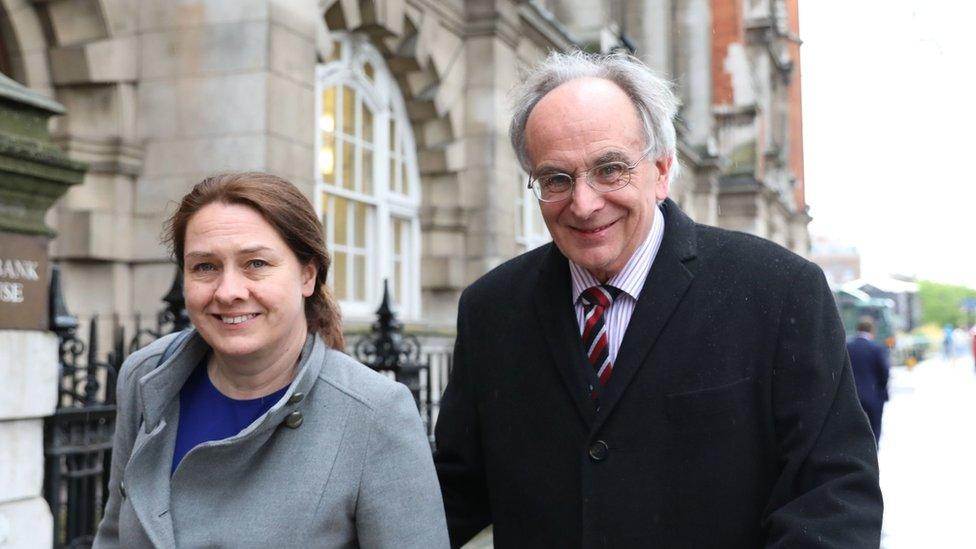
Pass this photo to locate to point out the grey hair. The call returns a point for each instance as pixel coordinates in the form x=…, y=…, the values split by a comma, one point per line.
x=651, y=94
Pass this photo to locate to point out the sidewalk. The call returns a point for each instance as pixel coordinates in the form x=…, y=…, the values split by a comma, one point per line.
x=928, y=456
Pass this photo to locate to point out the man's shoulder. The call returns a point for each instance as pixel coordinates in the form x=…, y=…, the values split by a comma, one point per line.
x=744, y=248
x=511, y=274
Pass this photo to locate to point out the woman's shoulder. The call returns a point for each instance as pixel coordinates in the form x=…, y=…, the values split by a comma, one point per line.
x=357, y=381
x=144, y=360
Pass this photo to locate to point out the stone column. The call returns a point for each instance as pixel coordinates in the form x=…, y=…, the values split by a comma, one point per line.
x=33, y=174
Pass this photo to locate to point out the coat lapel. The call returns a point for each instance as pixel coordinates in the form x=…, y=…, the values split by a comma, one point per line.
x=554, y=308
x=665, y=287
x=147, y=474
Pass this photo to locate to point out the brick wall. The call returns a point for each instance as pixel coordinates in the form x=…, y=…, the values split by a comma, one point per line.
x=727, y=28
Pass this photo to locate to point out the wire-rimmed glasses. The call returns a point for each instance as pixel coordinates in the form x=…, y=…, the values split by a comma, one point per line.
x=604, y=178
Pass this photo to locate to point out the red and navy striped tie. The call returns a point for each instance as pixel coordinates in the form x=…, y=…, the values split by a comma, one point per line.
x=596, y=300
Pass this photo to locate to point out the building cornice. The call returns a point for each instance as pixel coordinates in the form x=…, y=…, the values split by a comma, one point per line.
x=541, y=20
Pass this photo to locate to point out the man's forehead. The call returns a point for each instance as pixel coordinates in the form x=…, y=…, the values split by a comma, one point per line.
x=582, y=96
x=588, y=115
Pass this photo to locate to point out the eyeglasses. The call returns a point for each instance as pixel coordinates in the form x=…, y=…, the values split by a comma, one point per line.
x=605, y=178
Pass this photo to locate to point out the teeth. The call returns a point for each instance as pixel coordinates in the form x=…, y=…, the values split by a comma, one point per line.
x=236, y=319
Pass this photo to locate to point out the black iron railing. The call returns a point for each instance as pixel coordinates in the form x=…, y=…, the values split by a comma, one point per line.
x=78, y=437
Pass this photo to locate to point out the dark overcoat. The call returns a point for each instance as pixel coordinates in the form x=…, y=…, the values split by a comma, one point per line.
x=730, y=420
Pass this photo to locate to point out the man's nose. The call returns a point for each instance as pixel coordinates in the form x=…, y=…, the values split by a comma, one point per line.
x=232, y=287
x=584, y=200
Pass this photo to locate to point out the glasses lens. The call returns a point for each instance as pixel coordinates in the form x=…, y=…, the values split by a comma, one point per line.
x=610, y=176
x=552, y=187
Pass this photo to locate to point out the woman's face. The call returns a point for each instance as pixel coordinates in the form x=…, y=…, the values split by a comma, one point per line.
x=245, y=290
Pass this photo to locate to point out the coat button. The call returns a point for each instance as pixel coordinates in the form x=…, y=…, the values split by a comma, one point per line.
x=122, y=489
x=294, y=420
x=296, y=398
x=599, y=451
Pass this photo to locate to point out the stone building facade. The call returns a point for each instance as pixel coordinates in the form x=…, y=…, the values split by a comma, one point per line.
x=392, y=117
x=161, y=93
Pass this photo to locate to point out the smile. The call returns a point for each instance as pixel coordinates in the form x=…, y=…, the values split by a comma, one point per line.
x=236, y=319
x=595, y=229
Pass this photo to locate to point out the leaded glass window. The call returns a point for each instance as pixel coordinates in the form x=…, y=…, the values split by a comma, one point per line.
x=367, y=180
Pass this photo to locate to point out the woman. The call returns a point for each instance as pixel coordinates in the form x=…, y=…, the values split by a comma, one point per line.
x=254, y=431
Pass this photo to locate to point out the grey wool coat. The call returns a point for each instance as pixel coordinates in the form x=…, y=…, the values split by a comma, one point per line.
x=340, y=461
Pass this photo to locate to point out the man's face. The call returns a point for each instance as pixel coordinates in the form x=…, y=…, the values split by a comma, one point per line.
x=577, y=126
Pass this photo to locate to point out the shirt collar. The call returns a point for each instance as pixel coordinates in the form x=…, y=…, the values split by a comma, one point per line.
x=631, y=278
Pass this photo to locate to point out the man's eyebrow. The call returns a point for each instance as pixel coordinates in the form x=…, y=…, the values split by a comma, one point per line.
x=610, y=156
x=548, y=169
x=603, y=158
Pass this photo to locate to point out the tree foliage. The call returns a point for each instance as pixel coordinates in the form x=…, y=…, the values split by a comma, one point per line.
x=942, y=303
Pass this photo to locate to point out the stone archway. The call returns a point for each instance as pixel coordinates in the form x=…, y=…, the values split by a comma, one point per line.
x=25, y=45
x=83, y=54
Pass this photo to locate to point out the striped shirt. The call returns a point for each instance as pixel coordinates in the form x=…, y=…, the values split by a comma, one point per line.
x=630, y=280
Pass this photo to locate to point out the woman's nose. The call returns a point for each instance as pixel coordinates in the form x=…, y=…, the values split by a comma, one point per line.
x=232, y=287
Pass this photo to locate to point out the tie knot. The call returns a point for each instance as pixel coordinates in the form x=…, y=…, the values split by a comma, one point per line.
x=599, y=295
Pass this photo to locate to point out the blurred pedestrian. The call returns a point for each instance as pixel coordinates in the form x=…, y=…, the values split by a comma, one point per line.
x=869, y=361
x=972, y=339
x=947, y=347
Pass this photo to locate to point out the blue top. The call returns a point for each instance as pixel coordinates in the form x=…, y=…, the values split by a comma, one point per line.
x=207, y=414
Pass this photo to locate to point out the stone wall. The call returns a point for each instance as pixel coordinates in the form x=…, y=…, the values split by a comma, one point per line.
x=29, y=368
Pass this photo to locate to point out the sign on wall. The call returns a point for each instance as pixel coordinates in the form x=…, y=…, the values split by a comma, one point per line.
x=23, y=282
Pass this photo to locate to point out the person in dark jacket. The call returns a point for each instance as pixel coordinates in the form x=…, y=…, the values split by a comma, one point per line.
x=645, y=380
x=870, y=364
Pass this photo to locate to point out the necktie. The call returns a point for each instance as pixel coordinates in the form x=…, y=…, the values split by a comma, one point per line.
x=596, y=300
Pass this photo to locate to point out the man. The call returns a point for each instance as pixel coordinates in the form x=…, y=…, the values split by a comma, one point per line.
x=645, y=381
x=869, y=361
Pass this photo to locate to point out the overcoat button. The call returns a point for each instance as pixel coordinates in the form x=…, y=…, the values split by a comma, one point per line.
x=122, y=489
x=296, y=398
x=599, y=451
x=294, y=420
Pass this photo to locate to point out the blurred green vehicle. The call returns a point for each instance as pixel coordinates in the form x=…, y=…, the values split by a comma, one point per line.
x=854, y=304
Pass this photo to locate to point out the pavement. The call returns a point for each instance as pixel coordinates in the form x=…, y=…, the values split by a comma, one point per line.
x=927, y=456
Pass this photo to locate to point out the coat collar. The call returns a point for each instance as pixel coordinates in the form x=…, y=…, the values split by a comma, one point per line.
x=162, y=385
x=147, y=474
x=665, y=287
x=557, y=321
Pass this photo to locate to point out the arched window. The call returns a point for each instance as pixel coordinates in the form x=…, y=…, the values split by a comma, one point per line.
x=368, y=186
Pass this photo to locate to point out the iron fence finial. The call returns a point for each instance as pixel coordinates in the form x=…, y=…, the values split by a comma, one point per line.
x=61, y=321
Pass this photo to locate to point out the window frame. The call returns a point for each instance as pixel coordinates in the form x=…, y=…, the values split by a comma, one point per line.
x=527, y=215
x=383, y=97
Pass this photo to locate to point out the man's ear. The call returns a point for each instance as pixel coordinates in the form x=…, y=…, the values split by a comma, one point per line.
x=661, y=188
x=309, y=273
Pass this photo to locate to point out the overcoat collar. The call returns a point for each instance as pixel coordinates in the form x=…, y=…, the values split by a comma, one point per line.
x=557, y=320
x=147, y=474
x=665, y=286
x=669, y=279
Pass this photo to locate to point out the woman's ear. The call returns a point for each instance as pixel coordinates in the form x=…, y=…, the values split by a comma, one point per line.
x=309, y=275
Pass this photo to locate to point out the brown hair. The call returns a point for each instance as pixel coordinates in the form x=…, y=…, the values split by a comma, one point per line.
x=286, y=209
x=865, y=324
